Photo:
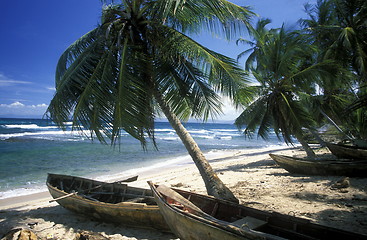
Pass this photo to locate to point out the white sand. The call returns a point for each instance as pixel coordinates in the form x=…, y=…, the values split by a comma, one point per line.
x=253, y=177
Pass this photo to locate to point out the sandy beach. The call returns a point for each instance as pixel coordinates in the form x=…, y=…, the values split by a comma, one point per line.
x=253, y=177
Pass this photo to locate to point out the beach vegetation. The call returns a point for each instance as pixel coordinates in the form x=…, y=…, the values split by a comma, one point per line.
x=309, y=76
x=282, y=64
x=339, y=30
x=140, y=62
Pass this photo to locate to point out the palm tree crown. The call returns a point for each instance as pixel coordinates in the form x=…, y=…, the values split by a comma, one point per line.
x=140, y=61
x=107, y=77
x=283, y=67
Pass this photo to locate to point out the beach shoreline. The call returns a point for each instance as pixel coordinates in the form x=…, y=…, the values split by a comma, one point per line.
x=250, y=173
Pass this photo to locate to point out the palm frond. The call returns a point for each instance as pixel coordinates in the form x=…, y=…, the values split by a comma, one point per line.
x=220, y=71
x=252, y=117
x=218, y=16
x=108, y=79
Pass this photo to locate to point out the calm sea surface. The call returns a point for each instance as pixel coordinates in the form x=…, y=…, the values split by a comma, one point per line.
x=31, y=148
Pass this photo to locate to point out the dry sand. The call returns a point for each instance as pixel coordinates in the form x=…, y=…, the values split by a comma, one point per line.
x=254, y=178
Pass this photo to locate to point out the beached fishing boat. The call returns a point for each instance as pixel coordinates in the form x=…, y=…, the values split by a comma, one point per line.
x=324, y=167
x=347, y=151
x=107, y=202
x=200, y=217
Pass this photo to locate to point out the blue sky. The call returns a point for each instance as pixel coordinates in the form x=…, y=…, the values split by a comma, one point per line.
x=33, y=34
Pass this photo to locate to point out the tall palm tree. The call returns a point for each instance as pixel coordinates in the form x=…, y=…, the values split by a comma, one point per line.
x=140, y=62
x=350, y=46
x=338, y=29
x=284, y=71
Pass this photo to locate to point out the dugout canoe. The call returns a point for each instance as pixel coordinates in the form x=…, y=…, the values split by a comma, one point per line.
x=347, y=151
x=324, y=167
x=107, y=202
x=193, y=216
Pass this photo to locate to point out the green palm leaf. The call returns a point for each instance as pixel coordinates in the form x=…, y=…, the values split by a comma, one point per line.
x=107, y=79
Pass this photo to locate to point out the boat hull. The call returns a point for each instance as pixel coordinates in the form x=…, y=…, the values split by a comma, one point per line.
x=189, y=227
x=125, y=213
x=325, y=167
x=345, y=151
x=208, y=218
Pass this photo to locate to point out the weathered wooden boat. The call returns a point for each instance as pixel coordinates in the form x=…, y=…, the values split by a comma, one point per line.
x=200, y=217
x=107, y=202
x=323, y=167
x=347, y=151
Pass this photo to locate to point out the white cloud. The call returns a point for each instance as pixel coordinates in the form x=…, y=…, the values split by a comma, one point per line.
x=6, y=81
x=18, y=109
x=16, y=105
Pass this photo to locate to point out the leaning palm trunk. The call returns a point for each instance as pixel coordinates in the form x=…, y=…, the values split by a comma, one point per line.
x=310, y=153
x=213, y=184
x=106, y=78
x=336, y=125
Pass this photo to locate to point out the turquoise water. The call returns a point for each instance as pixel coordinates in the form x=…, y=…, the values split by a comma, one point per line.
x=31, y=148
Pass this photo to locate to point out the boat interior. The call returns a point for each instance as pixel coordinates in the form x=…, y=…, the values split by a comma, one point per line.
x=242, y=217
x=113, y=193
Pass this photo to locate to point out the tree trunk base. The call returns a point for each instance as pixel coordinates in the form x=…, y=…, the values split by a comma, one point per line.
x=215, y=187
x=221, y=191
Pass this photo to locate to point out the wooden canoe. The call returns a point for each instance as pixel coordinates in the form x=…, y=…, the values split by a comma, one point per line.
x=107, y=202
x=347, y=151
x=325, y=167
x=199, y=217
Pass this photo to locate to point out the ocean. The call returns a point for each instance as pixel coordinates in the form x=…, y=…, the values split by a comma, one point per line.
x=31, y=148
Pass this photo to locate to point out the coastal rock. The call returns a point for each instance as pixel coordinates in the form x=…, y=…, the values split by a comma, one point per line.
x=342, y=183
x=86, y=235
x=20, y=234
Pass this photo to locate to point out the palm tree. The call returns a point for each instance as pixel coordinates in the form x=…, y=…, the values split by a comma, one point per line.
x=350, y=46
x=350, y=43
x=320, y=25
x=139, y=62
x=284, y=71
x=259, y=35
x=338, y=29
